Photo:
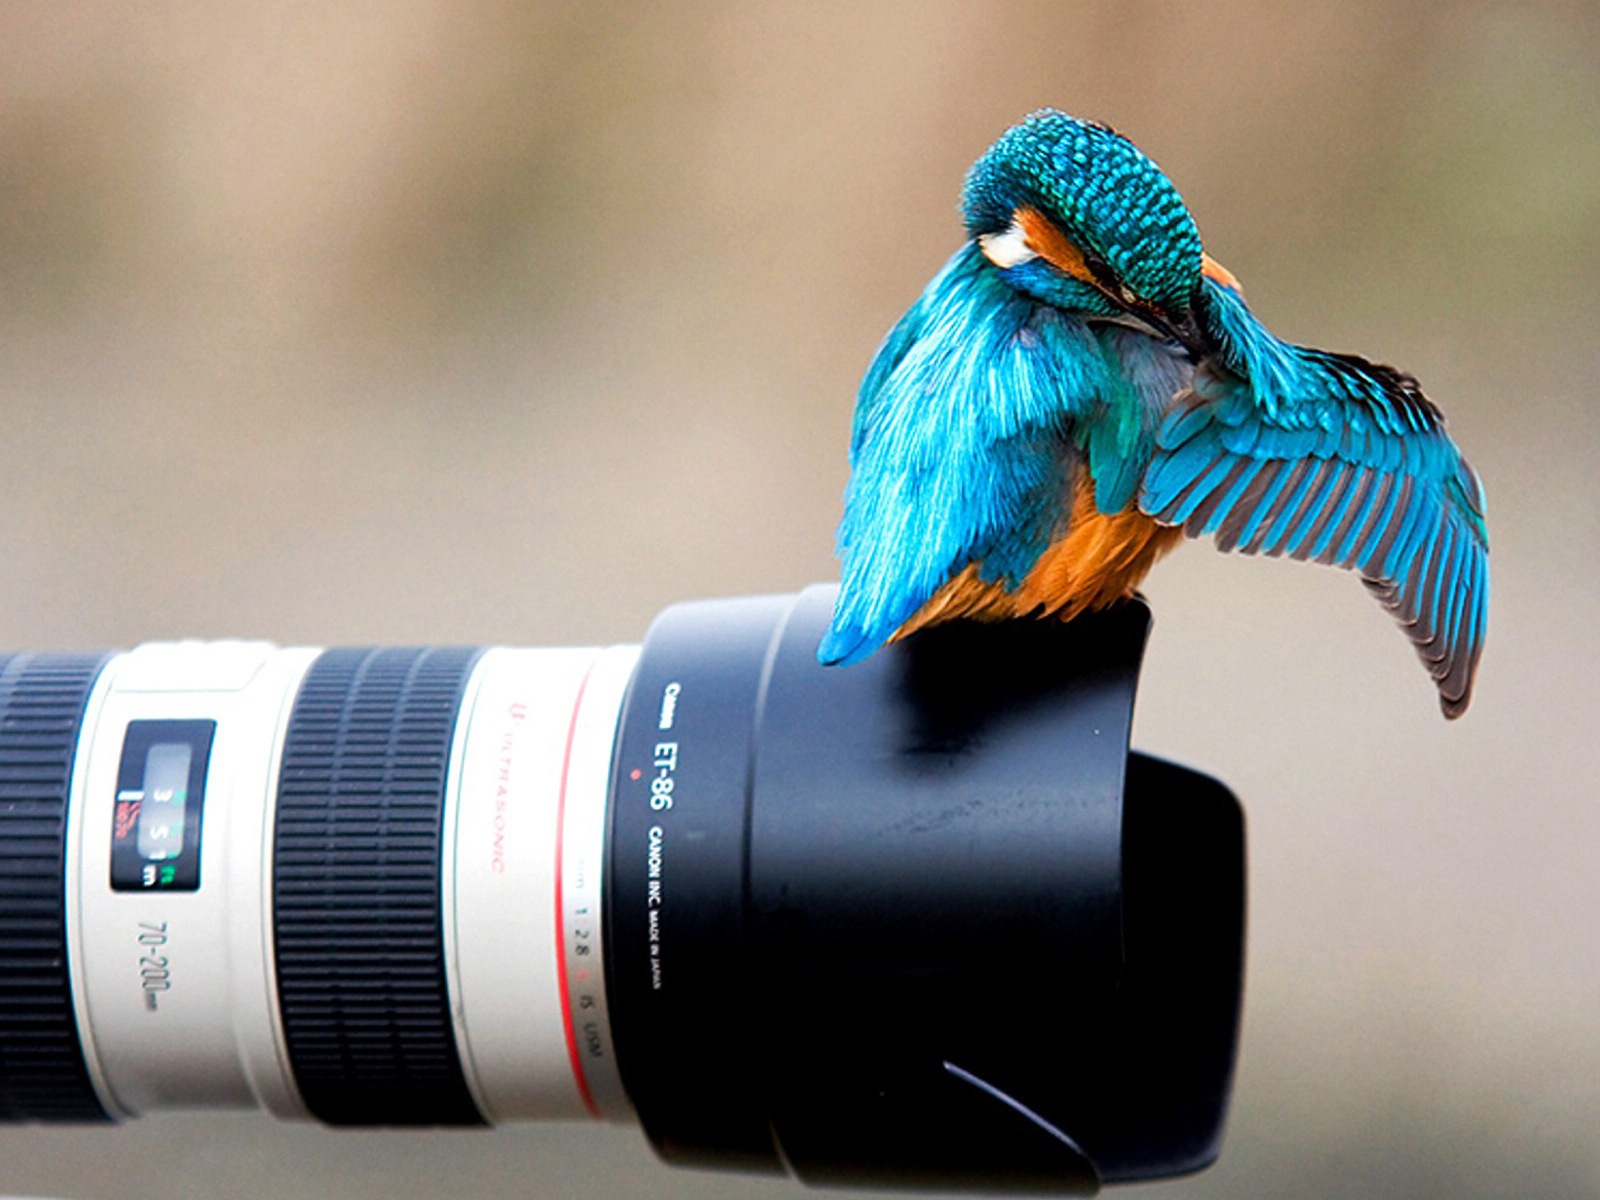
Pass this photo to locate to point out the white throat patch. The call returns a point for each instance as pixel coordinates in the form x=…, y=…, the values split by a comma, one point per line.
x=1007, y=249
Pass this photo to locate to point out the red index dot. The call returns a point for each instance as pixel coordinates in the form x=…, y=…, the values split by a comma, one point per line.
x=635, y=774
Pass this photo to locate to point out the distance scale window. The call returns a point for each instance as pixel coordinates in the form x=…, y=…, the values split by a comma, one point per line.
x=161, y=794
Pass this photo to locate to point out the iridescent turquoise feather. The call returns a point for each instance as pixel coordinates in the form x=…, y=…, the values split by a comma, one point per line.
x=1081, y=335
x=1380, y=487
x=960, y=451
x=1098, y=182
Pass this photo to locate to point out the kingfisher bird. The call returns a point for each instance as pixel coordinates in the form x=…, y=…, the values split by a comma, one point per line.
x=1082, y=385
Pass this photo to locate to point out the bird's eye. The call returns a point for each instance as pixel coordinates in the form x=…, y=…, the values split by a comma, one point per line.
x=1108, y=281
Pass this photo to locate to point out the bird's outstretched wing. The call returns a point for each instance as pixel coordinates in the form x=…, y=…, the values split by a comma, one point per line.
x=1279, y=449
x=963, y=448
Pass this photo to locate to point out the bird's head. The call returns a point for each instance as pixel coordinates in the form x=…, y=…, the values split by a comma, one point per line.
x=1076, y=215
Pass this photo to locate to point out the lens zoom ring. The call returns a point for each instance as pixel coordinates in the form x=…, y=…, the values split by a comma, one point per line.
x=42, y=1072
x=359, y=929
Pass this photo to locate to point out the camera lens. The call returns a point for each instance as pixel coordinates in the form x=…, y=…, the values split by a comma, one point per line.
x=922, y=922
x=919, y=922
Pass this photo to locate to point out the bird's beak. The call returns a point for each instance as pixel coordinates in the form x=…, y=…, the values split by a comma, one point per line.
x=1184, y=330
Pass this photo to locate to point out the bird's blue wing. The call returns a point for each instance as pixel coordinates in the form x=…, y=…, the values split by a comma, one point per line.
x=962, y=450
x=1282, y=450
x=1119, y=436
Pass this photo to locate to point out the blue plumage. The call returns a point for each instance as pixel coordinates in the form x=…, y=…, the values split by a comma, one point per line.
x=1377, y=487
x=1081, y=345
x=998, y=378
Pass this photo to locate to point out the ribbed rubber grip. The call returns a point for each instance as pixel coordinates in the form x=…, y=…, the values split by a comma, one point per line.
x=42, y=1072
x=359, y=930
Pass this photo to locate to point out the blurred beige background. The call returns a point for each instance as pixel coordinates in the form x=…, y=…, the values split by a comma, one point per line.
x=484, y=321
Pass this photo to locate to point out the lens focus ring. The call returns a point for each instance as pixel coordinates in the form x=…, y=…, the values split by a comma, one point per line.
x=42, y=1072
x=359, y=931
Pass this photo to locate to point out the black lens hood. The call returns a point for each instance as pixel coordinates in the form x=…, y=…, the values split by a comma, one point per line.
x=922, y=921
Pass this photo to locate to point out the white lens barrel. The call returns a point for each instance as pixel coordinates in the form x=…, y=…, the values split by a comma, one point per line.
x=755, y=904
x=177, y=992
x=522, y=882
x=174, y=990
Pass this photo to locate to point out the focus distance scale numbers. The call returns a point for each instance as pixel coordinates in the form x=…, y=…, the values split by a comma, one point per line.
x=161, y=790
x=174, y=852
x=166, y=876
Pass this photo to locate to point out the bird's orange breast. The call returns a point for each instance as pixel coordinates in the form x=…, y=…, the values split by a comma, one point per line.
x=1100, y=560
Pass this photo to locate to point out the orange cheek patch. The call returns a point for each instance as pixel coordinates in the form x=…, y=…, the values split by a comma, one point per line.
x=1212, y=269
x=1050, y=244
